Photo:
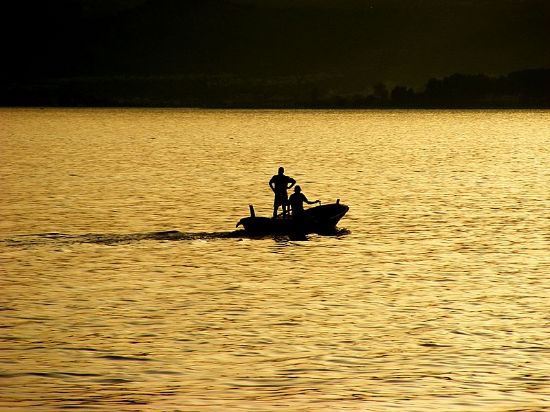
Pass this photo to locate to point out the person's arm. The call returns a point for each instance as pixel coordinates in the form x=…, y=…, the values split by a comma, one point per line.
x=291, y=182
x=310, y=203
x=272, y=183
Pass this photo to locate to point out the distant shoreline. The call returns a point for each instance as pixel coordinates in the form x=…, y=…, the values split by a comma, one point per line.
x=526, y=89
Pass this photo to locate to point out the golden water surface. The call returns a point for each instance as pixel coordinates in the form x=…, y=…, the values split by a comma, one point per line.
x=436, y=296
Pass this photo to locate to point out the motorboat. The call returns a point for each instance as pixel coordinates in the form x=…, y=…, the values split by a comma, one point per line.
x=320, y=220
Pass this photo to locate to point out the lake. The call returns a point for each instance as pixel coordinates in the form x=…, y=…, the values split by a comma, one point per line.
x=434, y=294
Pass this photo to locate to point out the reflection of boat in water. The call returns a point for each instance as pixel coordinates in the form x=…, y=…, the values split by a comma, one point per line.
x=320, y=219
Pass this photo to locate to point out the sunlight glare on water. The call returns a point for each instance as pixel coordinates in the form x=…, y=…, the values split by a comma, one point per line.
x=435, y=296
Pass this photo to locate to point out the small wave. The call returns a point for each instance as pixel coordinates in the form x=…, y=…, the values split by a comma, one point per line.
x=126, y=358
x=113, y=381
x=162, y=372
x=60, y=374
x=82, y=349
x=8, y=375
x=434, y=345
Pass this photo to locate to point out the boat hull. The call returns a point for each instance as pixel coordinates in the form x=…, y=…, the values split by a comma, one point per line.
x=321, y=220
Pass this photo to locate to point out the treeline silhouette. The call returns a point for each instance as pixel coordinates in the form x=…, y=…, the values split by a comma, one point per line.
x=521, y=89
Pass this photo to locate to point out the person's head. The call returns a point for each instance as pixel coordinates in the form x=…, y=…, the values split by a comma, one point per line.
x=297, y=189
x=281, y=170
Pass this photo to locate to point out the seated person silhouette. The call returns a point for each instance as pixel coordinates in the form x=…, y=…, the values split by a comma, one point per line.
x=280, y=183
x=297, y=200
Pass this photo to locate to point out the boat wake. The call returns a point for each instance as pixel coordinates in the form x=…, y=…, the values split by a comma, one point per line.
x=115, y=239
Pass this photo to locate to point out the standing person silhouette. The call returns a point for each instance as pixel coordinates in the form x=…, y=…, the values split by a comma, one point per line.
x=280, y=183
